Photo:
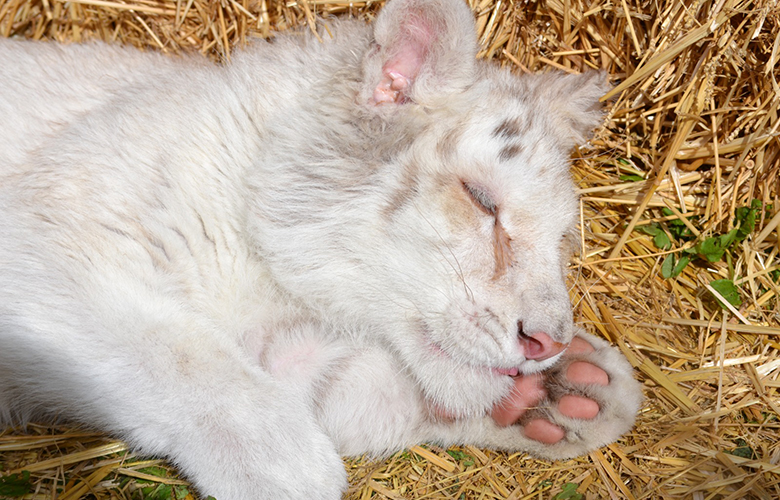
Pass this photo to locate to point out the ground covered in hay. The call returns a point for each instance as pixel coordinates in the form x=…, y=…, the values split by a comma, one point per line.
x=679, y=264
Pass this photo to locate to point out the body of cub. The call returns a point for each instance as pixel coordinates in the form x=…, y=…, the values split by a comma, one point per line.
x=319, y=248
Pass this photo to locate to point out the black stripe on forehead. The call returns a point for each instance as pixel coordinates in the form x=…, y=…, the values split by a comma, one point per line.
x=510, y=151
x=508, y=129
x=513, y=128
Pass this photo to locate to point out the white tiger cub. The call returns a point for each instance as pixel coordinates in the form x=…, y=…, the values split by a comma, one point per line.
x=321, y=248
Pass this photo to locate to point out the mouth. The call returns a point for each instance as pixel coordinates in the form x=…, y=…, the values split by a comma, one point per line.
x=437, y=350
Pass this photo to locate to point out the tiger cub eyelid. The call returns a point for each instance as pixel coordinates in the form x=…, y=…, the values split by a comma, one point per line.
x=480, y=197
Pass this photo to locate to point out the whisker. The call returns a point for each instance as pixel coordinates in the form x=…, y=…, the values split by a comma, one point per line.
x=459, y=269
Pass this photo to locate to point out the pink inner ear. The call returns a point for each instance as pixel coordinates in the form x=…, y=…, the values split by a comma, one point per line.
x=412, y=45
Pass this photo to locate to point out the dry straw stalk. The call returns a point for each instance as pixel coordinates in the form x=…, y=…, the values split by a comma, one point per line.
x=691, y=137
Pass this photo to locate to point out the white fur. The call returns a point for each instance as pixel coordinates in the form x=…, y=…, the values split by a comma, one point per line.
x=253, y=268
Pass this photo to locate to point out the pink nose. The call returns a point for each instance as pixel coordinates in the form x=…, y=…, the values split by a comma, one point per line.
x=539, y=346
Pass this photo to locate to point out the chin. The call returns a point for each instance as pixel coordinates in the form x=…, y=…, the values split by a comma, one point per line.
x=460, y=389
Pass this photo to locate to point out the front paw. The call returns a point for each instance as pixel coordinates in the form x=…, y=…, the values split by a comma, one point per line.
x=588, y=399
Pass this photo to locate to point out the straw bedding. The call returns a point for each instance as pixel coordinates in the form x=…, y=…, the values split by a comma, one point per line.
x=685, y=168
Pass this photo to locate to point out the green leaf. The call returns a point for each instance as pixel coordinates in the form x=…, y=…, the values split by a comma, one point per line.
x=746, y=217
x=747, y=225
x=710, y=249
x=729, y=291
x=708, y=246
x=743, y=450
x=667, y=266
x=569, y=491
x=631, y=178
x=681, y=232
x=460, y=456
x=155, y=471
x=660, y=238
x=651, y=229
x=727, y=239
x=681, y=264
x=672, y=222
x=677, y=228
x=158, y=492
x=671, y=267
x=740, y=213
x=15, y=485
x=662, y=241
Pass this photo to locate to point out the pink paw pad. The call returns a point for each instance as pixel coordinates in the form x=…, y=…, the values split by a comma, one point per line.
x=543, y=431
x=578, y=407
x=583, y=372
x=529, y=391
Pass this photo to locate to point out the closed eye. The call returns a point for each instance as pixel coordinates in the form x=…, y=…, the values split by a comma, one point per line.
x=480, y=198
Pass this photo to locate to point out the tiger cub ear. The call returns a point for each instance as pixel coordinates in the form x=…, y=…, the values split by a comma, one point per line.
x=424, y=52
